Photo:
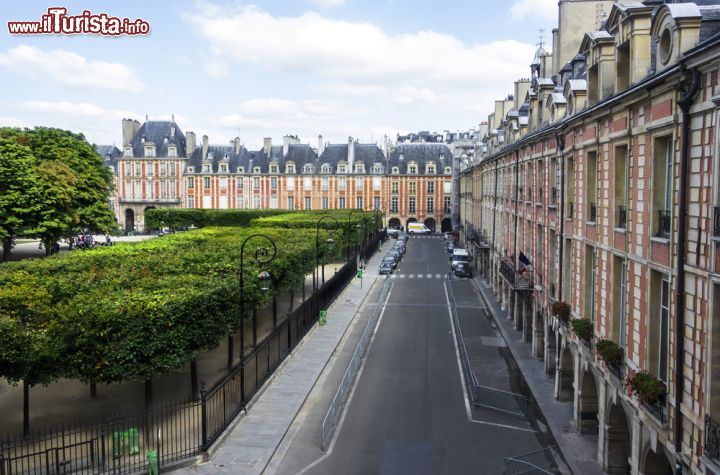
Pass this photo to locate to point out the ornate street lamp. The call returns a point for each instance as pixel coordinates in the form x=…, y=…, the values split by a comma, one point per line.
x=262, y=255
x=330, y=243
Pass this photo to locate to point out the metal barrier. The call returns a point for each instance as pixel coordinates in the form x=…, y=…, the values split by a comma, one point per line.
x=333, y=414
x=483, y=396
x=540, y=462
x=504, y=401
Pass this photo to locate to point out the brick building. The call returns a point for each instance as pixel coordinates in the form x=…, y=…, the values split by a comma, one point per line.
x=160, y=166
x=599, y=188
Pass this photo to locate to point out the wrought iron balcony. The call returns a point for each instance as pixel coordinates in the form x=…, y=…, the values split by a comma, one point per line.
x=622, y=216
x=712, y=439
x=593, y=213
x=517, y=280
x=658, y=409
x=716, y=221
x=663, y=224
x=618, y=369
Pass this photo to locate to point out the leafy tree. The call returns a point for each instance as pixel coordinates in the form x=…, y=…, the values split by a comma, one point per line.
x=17, y=185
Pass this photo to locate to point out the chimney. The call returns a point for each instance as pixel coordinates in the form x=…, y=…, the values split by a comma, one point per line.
x=172, y=131
x=321, y=145
x=267, y=145
x=351, y=154
x=286, y=145
x=205, y=147
x=237, y=145
x=129, y=129
x=190, y=142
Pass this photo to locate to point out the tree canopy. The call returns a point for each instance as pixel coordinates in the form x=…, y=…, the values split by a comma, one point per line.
x=52, y=183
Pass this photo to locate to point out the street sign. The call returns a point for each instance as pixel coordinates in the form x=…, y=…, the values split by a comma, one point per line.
x=359, y=273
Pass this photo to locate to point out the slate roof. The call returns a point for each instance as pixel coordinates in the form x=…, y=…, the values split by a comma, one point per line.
x=109, y=153
x=420, y=153
x=157, y=131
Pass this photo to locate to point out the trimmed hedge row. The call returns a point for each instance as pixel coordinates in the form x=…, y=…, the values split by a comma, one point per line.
x=133, y=311
x=200, y=218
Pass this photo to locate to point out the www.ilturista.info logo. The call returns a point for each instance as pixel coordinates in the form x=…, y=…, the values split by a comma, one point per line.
x=58, y=22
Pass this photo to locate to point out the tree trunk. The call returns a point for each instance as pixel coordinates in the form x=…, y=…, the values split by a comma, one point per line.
x=26, y=408
x=194, y=378
x=6, y=247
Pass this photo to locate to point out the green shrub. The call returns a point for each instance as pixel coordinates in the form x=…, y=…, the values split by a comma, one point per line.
x=200, y=218
x=610, y=352
x=646, y=387
x=583, y=328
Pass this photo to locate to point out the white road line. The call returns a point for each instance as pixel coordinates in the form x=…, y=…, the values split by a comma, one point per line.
x=393, y=276
x=438, y=276
x=411, y=276
x=429, y=276
x=402, y=276
x=494, y=424
x=420, y=276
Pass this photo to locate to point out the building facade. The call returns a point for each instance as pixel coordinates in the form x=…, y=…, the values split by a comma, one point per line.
x=599, y=188
x=160, y=166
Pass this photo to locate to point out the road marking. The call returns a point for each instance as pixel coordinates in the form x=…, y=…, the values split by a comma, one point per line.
x=411, y=276
x=393, y=276
x=438, y=276
x=429, y=276
x=505, y=426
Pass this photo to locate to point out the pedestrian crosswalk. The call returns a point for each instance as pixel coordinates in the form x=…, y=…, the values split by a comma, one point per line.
x=423, y=236
x=418, y=276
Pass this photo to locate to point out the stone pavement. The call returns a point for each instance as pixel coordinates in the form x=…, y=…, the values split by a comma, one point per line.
x=578, y=450
x=248, y=446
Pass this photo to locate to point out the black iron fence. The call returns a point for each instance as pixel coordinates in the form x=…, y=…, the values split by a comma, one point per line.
x=716, y=221
x=175, y=431
x=538, y=462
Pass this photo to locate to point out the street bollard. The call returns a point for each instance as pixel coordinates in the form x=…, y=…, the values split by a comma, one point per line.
x=323, y=317
x=153, y=468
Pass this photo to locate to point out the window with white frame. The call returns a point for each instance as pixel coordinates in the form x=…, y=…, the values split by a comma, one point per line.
x=308, y=202
x=241, y=169
x=206, y=182
x=325, y=168
x=273, y=183
x=448, y=171
x=341, y=202
x=128, y=152
x=377, y=168
x=172, y=151
x=342, y=168
x=150, y=169
x=239, y=184
x=273, y=168
x=290, y=202
x=307, y=168
x=324, y=183
x=223, y=168
x=149, y=150
x=290, y=183
x=307, y=183
x=394, y=170
x=430, y=169
x=325, y=202
x=377, y=183
x=412, y=168
x=191, y=183
x=342, y=183
x=412, y=205
x=256, y=183
x=191, y=201
x=359, y=202
x=223, y=183
x=359, y=183
x=394, y=204
x=359, y=167
x=256, y=169
x=256, y=202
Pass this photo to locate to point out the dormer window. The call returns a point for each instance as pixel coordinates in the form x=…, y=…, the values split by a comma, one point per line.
x=448, y=171
x=377, y=168
x=241, y=169
x=191, y=169
x=395, y=170
x=128, y=152
x=206, y=168
x=273, y=168
x=430, y=169
x=290, y=168
x=442, y=156
x=150, y=151
x=359, y=168
x=325, y=168
x=412, y=169
x=172, y=151
x=342, y=168
x=223, y=168
x=307, y=168
x=256, y=169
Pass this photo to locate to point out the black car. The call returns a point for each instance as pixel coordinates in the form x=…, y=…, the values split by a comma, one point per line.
x=462, y=269
x=450, y=247
x=386, y=267
x=391, y=259
x=400, y=247
x=395, y=253
x=404, y=236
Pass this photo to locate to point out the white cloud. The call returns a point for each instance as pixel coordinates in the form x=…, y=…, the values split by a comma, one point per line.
x=359, y=53
x=328, y=3
x=7, y=121
x=217, y=68
x=524, y=9
x=69, y=69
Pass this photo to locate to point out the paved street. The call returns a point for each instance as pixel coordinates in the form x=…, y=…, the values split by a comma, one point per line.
x=408, y=412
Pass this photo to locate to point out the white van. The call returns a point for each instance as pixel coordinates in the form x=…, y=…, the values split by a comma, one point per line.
x=418, y=228
x=459, y=255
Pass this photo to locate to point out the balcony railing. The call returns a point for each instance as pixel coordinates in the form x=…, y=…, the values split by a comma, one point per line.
x=716, y=221
x=517, y=280
x=618, y=369
x=663, y=224
x=712, y=439
x=622, y=217
x=593, y=213
x=658, y=409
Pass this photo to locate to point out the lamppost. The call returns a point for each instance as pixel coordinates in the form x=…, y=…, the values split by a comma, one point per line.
x=263, y=255
x=350, y=233
x=330, y=243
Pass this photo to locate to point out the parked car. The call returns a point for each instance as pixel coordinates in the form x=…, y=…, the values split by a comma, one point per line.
x=450, y=247
x=400, y=246
x=395, y=253
x=392, y=232
x=391, y=259
x=459, y=255
x=448, y=236
x=386, y=267
x=404, y=236
x=462, y=269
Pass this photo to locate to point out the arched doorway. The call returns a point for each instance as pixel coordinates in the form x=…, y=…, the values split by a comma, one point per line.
x=446, y=225
x=539, y=334
x=395, y=223
x=410, y=220
x=588, y=405
x=565, y=376
x=657, y=464
x=430, y=223
x=617, y=441
x=129, y=220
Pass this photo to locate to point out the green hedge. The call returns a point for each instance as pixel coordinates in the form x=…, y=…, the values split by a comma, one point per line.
x=133, y=311
x=200, y=218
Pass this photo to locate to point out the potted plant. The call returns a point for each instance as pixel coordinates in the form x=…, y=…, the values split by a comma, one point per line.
x=583, y=328
x=646, y=387
x=610, y=352
x=561, y=310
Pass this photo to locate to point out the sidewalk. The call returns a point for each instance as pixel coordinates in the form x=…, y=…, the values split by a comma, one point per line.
x=578, y=450
x=252, y=441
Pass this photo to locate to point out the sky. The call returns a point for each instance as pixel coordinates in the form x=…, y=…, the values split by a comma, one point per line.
x=360, y=68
